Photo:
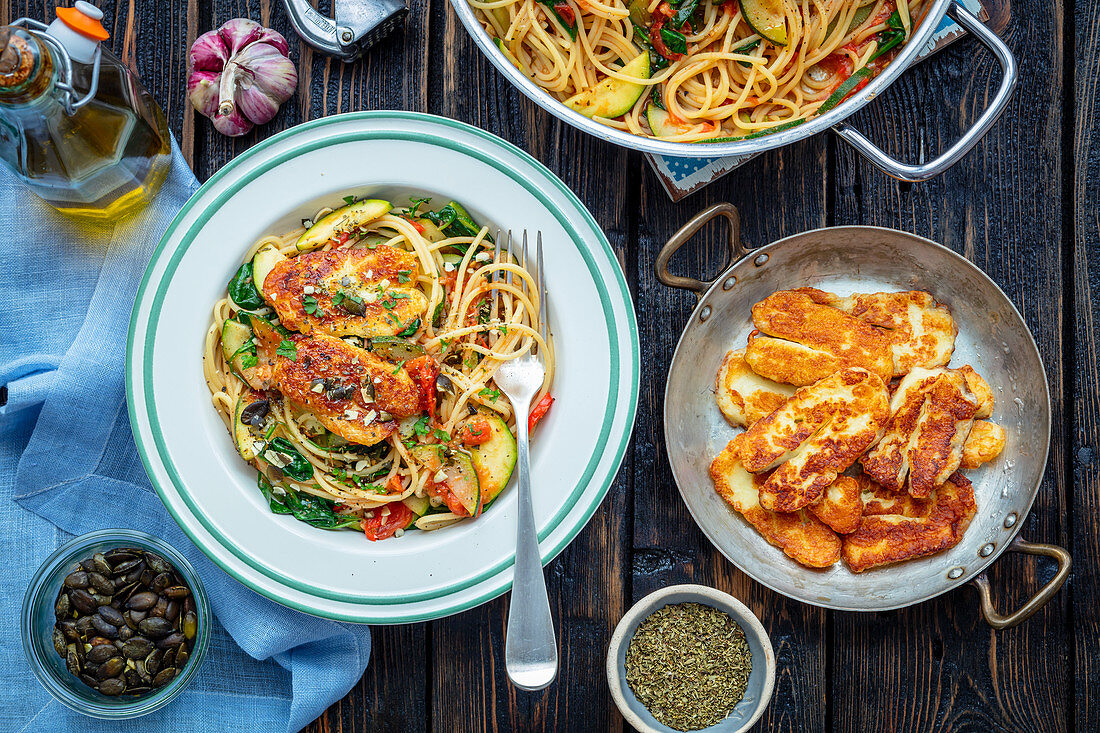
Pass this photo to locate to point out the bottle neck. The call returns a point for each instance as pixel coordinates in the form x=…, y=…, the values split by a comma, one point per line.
x=26, y=67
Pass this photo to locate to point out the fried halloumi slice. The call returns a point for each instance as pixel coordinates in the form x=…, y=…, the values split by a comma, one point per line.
x=813, y=436
x=931, y=414
x=896, y=527
x=802, y=536
x=743, y=395
x=347, y=292
x=352, y=392
x=841, y=506
x=921, y=331
x=985, y=442
x=803, y=337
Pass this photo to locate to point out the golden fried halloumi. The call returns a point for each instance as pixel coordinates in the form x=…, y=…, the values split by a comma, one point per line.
x=743, y=395
x=817, y=433
x=803, y=337
x=931, y=414
x=347, y=292
x=841, y=506
x=921, y=331
x=352, y=392
x=802, y=536
x=985, y=442
x=897, y=527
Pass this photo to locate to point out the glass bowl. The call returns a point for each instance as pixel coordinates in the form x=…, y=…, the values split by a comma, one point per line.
x=38, y=619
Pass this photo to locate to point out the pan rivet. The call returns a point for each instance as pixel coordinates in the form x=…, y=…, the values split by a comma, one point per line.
x=1010, y=520
x=346, y=36
x=729, y=283
x=705, y=313
x=954, y=573
x=987, y=549
x=760, y=260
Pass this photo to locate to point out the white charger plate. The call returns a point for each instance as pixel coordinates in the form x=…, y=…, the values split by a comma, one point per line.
x=190, y=457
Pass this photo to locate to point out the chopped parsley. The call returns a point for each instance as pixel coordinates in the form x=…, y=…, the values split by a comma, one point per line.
x=288, y=348
x=349, y=200
x=399, y=365
x=248, y=361
x=338, y=298
x=311, y=306
x=421, y=426
x=414, y=206
x=403, y=276
x=490, y=394
x=442, y=435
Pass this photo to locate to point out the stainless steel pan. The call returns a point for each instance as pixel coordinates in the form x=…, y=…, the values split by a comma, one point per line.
x=992, y=337
x=834, y=119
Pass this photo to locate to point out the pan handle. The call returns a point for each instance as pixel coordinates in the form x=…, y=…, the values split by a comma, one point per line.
x=924, y=171
x=737, y=250
x=1024, y=612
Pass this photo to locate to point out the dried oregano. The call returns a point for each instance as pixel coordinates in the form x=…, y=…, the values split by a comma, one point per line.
x=689, y=665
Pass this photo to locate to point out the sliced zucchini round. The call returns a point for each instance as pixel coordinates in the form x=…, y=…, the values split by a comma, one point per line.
x=463, y=483
x=345, y=219
x=659, y=123
x=494, y=459
x=263, y=262
x=613, y=97
x=395, y=349
x=768, y=18
x=235, y=339
x=246, y=435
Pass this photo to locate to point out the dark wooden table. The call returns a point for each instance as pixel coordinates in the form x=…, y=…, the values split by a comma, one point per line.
x=1023, y=206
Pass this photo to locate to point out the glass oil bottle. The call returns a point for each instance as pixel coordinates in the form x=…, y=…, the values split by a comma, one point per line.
x=76, y=125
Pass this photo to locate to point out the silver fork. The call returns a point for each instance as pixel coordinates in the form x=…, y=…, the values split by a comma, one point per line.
x=530, y=647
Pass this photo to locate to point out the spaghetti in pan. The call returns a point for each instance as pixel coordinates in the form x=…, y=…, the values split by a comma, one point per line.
x=352, y=362
x=700, y=70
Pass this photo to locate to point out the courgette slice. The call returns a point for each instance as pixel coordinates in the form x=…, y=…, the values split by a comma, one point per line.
x=236, y=338
x=613, y=97
x=247, y=434
x=263, y=262
x=494, y=459
x=345, y=219
x=639, y=13
x=431, y=232
x=463, y=482
x=768, y=18
x=508, y=53
x=419, y=505
x=395, y=349
x=459, y=475
x=658, y=122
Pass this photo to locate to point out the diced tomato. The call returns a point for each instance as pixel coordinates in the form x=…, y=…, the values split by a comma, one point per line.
x=379, y=527
x=475, y=431
x=416, y=225
x=340, y=239
x=539, y=412
x=655, y=36
x=837, y=63
x=443, y=492
x=566, y=13
x=424, y=372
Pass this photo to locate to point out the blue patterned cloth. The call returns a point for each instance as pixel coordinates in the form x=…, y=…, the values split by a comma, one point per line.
x=68, y=465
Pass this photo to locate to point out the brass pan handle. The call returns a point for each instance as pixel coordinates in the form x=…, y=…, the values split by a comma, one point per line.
x=1037, y=601
x=736, y=249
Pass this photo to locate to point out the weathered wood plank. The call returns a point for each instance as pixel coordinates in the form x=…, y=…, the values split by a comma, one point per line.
x=1085, y=364
x=470, y=690
x=777, y=194
x=937, y=666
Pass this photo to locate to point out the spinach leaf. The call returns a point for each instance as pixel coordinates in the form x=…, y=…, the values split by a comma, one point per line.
x=276, y=503
x=674, y=40
x=890, y=38
x=410, y=329
x=298, y=468
x=317, y=512
x=243, y=291
x=684, y=12
x=745, y=48
x=570, y=28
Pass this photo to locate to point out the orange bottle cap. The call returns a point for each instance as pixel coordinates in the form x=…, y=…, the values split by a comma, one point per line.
x=82, y=23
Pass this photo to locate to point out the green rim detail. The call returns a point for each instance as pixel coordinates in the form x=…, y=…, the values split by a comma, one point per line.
x=531, y=187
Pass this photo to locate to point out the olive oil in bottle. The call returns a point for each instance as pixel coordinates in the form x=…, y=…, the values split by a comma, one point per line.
x=76, y=125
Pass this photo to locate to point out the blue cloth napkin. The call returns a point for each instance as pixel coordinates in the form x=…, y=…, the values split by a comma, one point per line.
x=68, y=465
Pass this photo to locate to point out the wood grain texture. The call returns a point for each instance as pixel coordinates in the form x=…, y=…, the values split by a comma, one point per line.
x=779, y=193
x=1083, y=194
x=1023, y=206
x=937, y=666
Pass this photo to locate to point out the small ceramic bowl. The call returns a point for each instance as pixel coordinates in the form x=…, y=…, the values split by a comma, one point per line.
x=761, y=680
x=38, y=621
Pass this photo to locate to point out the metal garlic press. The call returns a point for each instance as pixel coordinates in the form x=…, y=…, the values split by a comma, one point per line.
x=357, y=24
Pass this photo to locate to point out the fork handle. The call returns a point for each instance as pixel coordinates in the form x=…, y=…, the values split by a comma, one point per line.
x=530, y=647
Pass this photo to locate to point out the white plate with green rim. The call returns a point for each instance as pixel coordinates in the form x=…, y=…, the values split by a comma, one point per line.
x=190, y=457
